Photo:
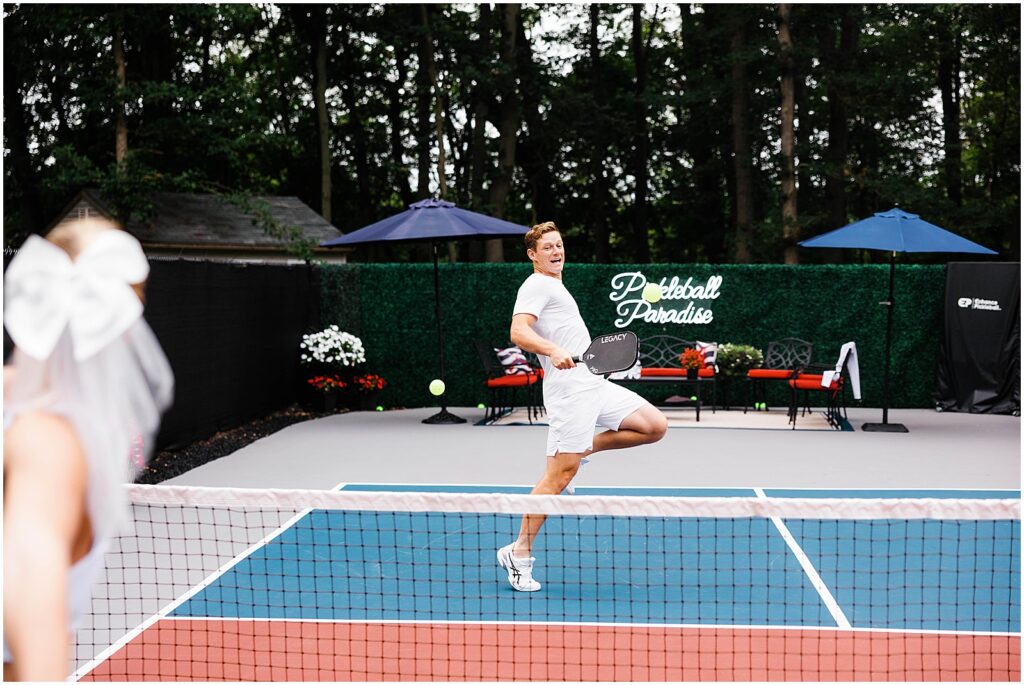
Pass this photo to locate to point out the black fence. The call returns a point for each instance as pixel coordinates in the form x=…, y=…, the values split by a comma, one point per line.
x=232, y=334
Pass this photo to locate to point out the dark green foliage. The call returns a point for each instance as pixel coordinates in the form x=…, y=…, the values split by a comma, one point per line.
x=391, y=307
x=219, y=99
x=295, y=242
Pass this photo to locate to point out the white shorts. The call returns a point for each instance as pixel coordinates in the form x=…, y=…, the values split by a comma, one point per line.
x=572, y=419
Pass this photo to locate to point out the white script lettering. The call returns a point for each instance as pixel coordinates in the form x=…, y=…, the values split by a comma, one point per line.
x=627, y=289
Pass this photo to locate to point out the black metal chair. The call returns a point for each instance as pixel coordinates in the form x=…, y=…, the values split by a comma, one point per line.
x=503, y=384
x=783, y=360
x=811, y=380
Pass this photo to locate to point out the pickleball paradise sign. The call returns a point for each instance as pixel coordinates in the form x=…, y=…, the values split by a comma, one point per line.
x=682, y=301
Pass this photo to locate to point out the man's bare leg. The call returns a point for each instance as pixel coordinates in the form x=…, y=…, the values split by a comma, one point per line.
x=646, y=425
x=559, y=471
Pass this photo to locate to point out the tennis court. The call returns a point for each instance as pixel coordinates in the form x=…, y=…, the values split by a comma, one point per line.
x=712, y=555
x=348, y=593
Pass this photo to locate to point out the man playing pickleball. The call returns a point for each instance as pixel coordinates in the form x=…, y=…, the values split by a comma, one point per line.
x=547, y=321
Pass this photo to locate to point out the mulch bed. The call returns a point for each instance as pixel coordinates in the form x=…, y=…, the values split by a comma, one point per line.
x=170, y=463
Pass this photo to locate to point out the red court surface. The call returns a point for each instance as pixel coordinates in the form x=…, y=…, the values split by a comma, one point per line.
x=248, y=650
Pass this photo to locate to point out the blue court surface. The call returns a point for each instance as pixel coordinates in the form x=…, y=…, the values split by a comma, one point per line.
x=440, y=567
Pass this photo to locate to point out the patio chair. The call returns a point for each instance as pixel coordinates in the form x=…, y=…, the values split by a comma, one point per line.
x=783, y=360
x=831, y=381
x=504, y=380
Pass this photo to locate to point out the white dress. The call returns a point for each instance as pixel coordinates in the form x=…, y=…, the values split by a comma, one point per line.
x=84, y=352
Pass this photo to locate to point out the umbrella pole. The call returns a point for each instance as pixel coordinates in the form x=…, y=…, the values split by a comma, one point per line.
x=885, y=426
x=443, y=416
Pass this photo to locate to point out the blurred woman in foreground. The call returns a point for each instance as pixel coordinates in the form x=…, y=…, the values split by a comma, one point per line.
x=86, y=388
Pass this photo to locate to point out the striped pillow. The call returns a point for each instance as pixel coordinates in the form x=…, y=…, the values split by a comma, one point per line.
x=513, y=359
x=710, y=352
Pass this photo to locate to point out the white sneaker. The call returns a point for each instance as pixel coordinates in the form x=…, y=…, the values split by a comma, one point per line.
x=520, y=571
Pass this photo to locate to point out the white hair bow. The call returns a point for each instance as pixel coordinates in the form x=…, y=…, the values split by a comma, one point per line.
x=46, y=292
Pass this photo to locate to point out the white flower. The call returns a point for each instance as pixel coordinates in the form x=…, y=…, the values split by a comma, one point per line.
x=332, y=346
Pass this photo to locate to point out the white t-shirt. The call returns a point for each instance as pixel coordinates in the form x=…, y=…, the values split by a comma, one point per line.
x=558, y=320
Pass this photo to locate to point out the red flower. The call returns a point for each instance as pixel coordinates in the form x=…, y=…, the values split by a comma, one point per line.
x=327, y=383
x=369, y=382
x=691, y=359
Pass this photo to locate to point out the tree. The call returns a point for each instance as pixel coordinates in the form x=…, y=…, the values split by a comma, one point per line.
x=311, y=23
x=509, y=122
x=398, y=177
x=790, y=227
x=948, y=34
x=533, y=150
x=704, y=129
x=742, y=163
x=120, y=124
x=641, y=48
x=423, y=98
x=480, y=98
x=598, y=173
x=837, y=46
x=435, y=88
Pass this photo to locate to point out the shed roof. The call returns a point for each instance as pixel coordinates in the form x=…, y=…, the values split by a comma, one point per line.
x=211, y=220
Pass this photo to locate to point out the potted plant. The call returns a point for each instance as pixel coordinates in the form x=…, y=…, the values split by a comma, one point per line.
x=735, y=360
x=330, y=354
x=327, y=389
x=693, y=361
x=368, y=387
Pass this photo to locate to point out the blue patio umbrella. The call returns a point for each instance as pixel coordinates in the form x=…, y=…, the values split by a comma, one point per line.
x=894, y=231
x=434, y=220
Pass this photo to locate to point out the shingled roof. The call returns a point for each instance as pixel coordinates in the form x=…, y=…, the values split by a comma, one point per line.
x=212, y=222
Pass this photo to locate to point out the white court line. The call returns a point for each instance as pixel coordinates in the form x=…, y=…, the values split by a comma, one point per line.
x=1009, y=492
x=611, y=624
x=202, y=585
x=812, y=573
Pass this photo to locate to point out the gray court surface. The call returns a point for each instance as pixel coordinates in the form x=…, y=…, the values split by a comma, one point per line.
x=942, y=450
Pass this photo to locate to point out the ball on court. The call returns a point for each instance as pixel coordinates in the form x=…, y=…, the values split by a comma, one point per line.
x=380, y=408
x=481, y=406
x=652, y=292
x=437, y=387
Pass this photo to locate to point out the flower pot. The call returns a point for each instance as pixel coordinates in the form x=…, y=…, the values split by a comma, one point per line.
x=328, y=401
x=368, y=400
x=692, y=374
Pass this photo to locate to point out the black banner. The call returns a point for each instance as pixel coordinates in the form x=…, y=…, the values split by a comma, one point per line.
x=979, y=358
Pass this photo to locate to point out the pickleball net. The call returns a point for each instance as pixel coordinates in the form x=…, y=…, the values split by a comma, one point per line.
x=275, y=585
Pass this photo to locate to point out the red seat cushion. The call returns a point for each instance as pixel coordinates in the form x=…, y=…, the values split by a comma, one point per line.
x=816, y=377
x=662, y=371
x=807, y=381
x=517, y=380
x=674, y=372
x=770, y=374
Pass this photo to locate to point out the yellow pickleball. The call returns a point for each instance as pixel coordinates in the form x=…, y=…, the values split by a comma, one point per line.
x=652, y=292
x=437, y=387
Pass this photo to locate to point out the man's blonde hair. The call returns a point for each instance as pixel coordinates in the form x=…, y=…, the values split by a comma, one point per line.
x=534, y=234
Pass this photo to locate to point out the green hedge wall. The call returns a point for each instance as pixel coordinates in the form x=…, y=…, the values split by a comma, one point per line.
x=391, y=307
